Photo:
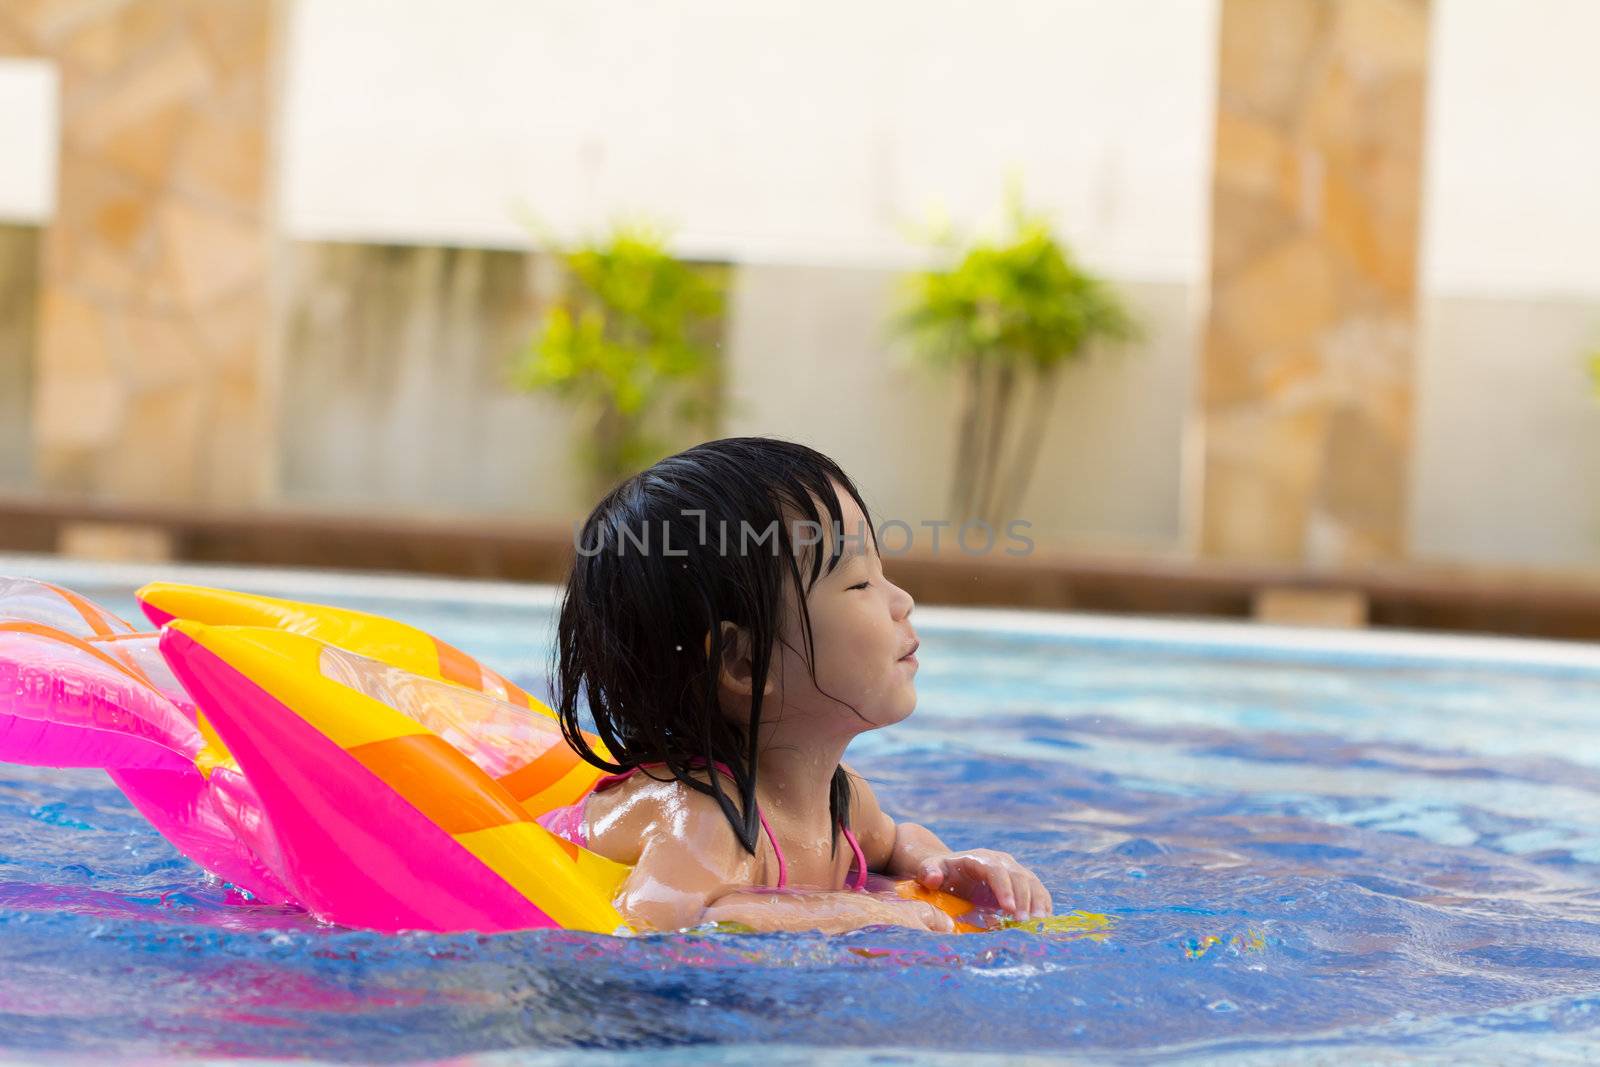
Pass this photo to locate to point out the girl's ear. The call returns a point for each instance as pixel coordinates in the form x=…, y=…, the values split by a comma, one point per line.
x=738, y=665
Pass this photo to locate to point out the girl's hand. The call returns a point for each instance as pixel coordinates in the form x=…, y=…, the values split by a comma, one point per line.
x=985, y=876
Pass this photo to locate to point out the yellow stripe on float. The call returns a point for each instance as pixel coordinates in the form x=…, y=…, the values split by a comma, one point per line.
x=577, y=895
x=372, y=636
x=215, y=754
x=288, y=667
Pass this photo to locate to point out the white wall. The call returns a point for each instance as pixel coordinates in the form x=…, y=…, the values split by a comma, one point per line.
x=28, y=140
x=798, y=132
x=1506, y=466
x=1512, y=186
x=805, y=141
x=809, y=360
x=1507, y=460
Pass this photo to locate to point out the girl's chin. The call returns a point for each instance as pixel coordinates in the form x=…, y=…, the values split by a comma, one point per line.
x=891, y=711
x=901, y=710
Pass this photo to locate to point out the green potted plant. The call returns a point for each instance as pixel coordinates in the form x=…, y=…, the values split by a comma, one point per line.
x=1006, y=318
x=630, y=339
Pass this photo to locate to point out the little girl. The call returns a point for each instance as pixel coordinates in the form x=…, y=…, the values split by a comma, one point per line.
x=729, y=626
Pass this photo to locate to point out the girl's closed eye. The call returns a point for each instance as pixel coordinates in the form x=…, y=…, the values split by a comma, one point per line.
x=860, y=585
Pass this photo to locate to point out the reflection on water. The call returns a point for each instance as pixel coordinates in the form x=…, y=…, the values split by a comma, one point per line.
x=1331, y=859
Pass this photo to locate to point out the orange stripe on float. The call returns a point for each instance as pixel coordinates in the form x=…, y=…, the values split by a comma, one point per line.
x=91, y=613
x=40, y=630
x=545, y=770
x=456, y=666
x=438, y=780
x=565, y=791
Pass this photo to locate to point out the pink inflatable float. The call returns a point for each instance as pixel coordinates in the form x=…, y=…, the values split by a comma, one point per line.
x=311, y=755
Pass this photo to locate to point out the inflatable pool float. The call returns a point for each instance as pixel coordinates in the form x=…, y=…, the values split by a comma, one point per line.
x=311, y=755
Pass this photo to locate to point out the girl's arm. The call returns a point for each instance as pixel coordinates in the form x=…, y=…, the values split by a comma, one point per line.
x=906, y=850
x=690, y=870
x=830, y=912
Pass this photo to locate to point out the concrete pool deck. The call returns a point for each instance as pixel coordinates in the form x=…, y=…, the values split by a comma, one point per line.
x=1191, y=634
x=1413, y=596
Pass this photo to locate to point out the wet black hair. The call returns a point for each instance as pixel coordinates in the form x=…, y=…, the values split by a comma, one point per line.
x=702, y=538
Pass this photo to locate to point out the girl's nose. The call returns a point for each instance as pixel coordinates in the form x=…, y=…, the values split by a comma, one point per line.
x=903, y=602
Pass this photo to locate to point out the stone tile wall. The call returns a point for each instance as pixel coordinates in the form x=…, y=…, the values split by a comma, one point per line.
x=1307, y=370
x=150, y=379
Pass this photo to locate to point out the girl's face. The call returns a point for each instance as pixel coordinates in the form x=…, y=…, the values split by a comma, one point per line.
x=862, y=639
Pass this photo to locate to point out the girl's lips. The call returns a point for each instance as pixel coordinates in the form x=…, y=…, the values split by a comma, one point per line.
x=912, y=652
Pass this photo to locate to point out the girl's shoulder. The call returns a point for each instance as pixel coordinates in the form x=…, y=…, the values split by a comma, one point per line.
x=643, y=813
x=873, y=827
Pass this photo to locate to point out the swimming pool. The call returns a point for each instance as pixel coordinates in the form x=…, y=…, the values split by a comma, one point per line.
x=1309, y=846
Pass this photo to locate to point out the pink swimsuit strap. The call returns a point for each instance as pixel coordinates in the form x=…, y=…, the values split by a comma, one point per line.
x=783, y=866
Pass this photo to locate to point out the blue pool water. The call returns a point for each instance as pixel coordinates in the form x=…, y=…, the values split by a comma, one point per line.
x=1314, y=851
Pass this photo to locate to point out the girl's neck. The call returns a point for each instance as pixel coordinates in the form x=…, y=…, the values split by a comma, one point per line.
x=796, y=779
